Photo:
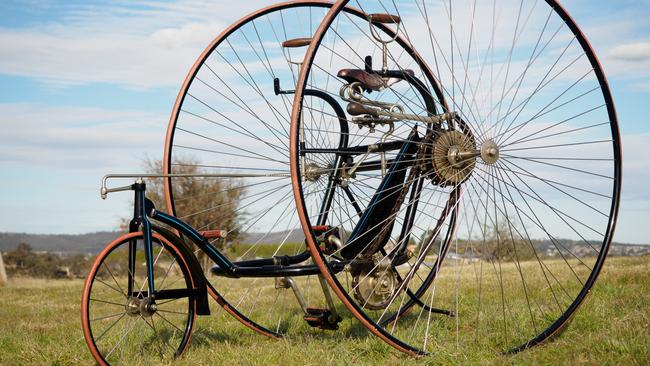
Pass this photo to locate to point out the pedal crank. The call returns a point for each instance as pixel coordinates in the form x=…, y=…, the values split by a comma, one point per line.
x=322, y=319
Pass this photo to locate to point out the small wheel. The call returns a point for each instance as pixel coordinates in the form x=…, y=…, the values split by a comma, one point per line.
x=120, y=326
x=526, y=176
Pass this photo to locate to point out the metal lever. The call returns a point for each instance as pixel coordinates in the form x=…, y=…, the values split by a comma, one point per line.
x=398, y=116
x=350, y=172
x=383, y=19
x=356, y=109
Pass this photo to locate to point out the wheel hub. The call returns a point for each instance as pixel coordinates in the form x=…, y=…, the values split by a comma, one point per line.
x=144, y=307
x=374, y=290
x=132, y=306
x=313, y=172
x=490, y=152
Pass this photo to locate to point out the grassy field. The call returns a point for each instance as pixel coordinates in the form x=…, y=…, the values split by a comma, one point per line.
x=40, y=325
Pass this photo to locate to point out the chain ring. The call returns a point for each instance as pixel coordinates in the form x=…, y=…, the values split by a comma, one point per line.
x=438, y=157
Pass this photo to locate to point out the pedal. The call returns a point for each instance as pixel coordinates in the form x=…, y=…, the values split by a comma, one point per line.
x=322, y=319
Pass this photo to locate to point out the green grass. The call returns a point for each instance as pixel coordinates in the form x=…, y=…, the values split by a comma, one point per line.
x=40, y=325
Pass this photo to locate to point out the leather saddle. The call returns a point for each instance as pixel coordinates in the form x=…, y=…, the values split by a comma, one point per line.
x=369, y=81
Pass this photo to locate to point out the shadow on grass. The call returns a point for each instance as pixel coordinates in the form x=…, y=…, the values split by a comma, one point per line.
x=353, y=331
x=204, y=337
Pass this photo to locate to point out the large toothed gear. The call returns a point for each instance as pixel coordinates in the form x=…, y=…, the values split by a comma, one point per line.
x=446, y=160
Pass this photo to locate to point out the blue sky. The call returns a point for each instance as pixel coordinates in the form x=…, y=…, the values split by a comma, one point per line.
x=87, y=88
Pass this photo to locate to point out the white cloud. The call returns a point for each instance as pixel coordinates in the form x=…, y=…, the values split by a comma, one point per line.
x=153, y=45
x=190, y=34
x=138, y=47
x=629, y=62
x=632, y=52
x=76, y=137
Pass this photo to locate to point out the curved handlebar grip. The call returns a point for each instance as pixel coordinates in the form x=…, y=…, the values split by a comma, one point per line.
x=296, y=42
x=357, y=109
x=384, y=19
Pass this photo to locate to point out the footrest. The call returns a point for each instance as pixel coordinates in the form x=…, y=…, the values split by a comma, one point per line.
x=324, y=235
x=322, y=319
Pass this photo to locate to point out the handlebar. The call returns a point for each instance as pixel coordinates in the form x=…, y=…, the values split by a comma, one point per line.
x=104, y=190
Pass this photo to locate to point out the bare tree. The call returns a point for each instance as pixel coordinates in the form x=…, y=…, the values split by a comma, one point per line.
x=204, y=203
x=502, y=242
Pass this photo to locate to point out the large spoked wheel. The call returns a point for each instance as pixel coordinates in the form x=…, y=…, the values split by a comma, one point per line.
x=228, y=118
x=530, y=156
x=232, y=116
x=120, y=322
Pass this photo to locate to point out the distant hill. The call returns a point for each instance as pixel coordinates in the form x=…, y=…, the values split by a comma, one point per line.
x=94, y=242
x=82, y=243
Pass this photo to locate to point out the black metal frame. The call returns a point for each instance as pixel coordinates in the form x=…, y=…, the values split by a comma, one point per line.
x=279, y=266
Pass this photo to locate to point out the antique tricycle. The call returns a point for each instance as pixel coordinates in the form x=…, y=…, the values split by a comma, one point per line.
x=449, y=170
